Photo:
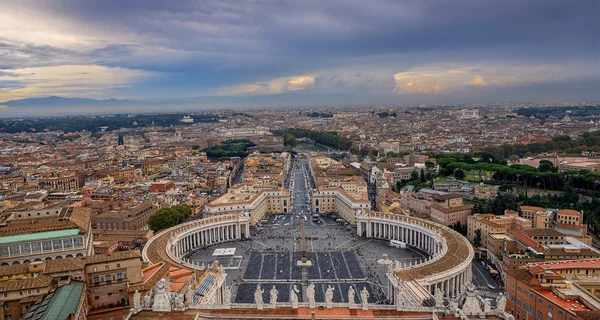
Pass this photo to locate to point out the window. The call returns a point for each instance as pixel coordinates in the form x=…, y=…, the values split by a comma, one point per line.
x=56, y=244
x=107, y=277
x=25, y=248
x=110, y=294
x=36, y=247
x=47, y=245
x=97, y=297
x=6, y=306
x=68, y=243
x=539, y=315
x=78, y=242
x=119, y=275
x=560, y=313
x=106, y=267
x=118, y=265
x=3, y=251
x=96, y=279
x=550, y=307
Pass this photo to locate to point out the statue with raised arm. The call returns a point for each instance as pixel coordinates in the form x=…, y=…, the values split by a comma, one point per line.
x=274, y=292
x=294, y=297
x=439, y=297
x=137, y=303
x=258, y=298
x=310, y=294
x=501, y=302
x=189, y=296
x=351, y=294
x=329, y=296
x=227, y=297
x=148, y=300
x=364, y=296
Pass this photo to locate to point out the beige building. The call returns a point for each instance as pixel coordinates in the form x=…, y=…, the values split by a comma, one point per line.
x=256, y=202
x=108, y=276
x=493, y=224
x=568, y=216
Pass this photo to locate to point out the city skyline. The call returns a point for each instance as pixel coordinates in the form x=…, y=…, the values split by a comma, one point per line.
x=276, y=54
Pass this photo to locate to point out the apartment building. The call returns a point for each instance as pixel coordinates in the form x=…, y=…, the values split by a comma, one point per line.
x=47, y=238
x=256, y=202
x=108, y=276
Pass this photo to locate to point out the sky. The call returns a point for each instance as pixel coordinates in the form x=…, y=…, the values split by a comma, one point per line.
x=326, y=52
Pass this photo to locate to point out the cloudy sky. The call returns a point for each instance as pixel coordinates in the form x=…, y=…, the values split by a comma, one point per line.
x=302, y=52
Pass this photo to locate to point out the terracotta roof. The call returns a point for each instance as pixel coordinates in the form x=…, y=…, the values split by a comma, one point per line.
x=569, y=212
x=542, y=233
x=450, y=209
x=63, y=265
x=29, y=283
x=119, y=255
x=532, y=208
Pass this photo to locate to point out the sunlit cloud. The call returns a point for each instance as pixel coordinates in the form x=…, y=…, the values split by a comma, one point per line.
x=69, y=81
x=478, y=81
x=275, y=86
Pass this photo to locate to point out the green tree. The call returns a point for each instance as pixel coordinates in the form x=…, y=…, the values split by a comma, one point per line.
x=289, y=139
x=414, y=176
x=429, y=165
x=477, y=238
x=546, y=166
x=423, y=176
x=168, y=217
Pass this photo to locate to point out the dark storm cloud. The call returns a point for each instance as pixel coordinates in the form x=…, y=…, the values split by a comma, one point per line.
x=213, y=44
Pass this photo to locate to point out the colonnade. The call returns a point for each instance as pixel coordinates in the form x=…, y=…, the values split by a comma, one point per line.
x=442, y=271
x=209, y=235
x=418, y=238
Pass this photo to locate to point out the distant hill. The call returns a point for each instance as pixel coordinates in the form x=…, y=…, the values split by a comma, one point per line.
x=66, y=102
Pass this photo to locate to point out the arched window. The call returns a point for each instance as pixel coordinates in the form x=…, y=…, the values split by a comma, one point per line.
x=119, y=275
x=107, y=277
x=96, y=279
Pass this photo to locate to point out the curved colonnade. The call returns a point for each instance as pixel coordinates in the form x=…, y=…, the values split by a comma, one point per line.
x=176, y=241
x=449, y=267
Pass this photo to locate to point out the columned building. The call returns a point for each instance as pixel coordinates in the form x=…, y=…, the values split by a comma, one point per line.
x=447, y=269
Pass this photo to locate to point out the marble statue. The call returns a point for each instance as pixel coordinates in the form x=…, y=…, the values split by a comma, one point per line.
x=390, y=268
x=168, y=284
x=329, y=296
x=162, y=297
x=137, y=303
x=453, y=305
x=227, y=297
x=258, y=298
x=294, y=297
x=274, y=292
x=397, y=264
x=189, y=296
x=351, y=294
x=501, y=302
x=364, y=296
x=310, y=294
x=439, y=297
x=178, y=304
x=148, y=300
x=487, y=306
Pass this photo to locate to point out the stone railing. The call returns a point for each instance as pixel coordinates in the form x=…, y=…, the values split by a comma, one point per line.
x=175, y=232
x=415, y=224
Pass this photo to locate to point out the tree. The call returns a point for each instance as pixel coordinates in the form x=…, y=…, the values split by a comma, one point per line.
x=390, y=154
x=423, y=176
x=414, y=176
x=429, y=165
x=546, y=166
x=477, y=238
x=168, y=217
x=289, y=139
x=504, y=201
